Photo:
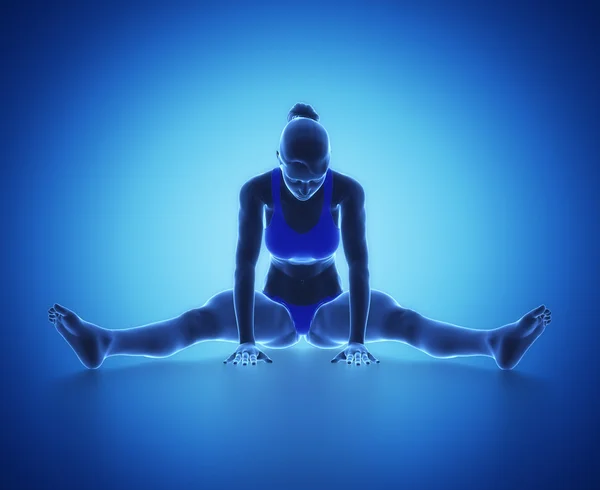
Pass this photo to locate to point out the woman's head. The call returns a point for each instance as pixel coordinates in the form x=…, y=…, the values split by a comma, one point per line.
x=304, y=152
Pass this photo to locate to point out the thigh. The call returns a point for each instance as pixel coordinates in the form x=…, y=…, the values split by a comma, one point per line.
x=273, y=325
x=331, y=324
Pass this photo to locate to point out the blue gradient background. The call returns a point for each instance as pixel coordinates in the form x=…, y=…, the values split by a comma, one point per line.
x=127, y=132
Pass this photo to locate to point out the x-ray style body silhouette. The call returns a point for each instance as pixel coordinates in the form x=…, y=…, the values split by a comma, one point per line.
x=309, y=210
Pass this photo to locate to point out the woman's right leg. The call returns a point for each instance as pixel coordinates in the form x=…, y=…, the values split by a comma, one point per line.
x=215, y=320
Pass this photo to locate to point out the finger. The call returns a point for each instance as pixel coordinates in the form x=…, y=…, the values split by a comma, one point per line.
x=253, y=359
x=245, y=358
x=238, y=358
x=229, y=359
x=357, y=358
x=339, y=357
x=263, y=357
x=373, y=358
x=365, y=358
x=349, y=358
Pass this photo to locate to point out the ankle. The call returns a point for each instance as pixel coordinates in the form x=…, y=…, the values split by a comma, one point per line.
x=107, y=342
x=492, y=339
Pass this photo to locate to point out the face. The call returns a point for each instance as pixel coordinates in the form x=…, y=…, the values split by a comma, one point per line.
x=304, y=153
x=301, y=181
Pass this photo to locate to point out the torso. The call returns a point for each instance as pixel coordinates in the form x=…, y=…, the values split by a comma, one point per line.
x=302, y=282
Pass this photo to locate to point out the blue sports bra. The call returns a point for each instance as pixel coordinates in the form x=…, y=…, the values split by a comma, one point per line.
x=319, y=242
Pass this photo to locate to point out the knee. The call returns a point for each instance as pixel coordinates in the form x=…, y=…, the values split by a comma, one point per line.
x=326, y=333
x=198, y=324
x=402, y=324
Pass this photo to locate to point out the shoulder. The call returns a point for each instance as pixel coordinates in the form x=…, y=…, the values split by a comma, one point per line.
x=346, y=188
x=257, y=188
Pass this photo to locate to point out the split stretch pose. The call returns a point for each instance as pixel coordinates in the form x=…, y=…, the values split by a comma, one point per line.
x=303, y=200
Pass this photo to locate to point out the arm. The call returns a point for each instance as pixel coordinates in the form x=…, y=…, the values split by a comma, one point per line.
x=248, y=249
x=354, y=239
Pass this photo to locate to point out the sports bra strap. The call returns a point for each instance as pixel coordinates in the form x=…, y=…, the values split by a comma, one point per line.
x=275, y=181
x=328, y=186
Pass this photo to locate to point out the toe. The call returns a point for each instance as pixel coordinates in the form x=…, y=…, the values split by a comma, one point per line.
x=62, y=310
x=537, y=311
x=63, y=331
x=60, y=320
x=538, y=330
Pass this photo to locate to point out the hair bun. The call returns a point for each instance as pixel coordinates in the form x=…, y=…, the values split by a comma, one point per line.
x=302, y=110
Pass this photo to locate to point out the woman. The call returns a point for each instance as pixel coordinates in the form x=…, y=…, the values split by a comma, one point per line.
x=303, y=201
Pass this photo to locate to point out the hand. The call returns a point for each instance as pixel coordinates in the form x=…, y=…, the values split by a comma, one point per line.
x=355, y=353
x=247, y=353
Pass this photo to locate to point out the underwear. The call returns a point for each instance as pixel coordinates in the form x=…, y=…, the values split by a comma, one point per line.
x=302, y=315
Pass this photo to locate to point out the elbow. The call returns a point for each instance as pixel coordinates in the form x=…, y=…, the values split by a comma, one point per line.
x=358, y=262
x=244, y=270
x=359, y=268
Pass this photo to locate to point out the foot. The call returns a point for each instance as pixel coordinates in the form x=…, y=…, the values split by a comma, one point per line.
x=510, y=342
x=90, y=342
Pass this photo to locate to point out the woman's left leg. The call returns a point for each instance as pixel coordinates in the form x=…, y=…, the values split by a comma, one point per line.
x=387, y=320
